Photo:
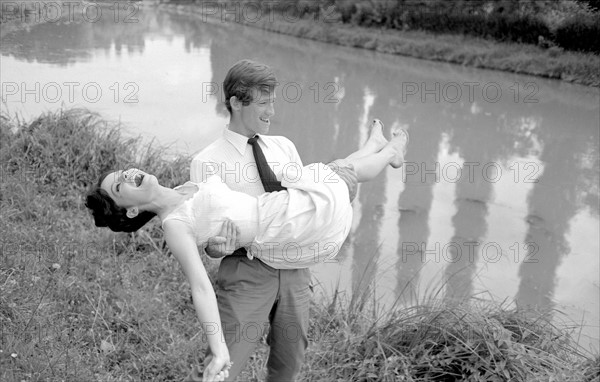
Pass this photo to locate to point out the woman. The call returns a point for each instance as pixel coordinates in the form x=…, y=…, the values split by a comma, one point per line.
x=192, y=213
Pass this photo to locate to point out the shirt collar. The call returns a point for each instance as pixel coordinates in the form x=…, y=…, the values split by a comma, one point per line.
x=239, y=141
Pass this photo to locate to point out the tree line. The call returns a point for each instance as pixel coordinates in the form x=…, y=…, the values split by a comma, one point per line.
x=562, y=24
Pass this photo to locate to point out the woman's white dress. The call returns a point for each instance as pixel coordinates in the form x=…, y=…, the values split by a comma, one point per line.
x=296, y=228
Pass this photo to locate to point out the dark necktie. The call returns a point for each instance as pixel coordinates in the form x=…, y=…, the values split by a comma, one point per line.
x=267, y=177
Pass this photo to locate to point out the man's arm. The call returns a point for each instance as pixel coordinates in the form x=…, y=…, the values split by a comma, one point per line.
x=201, y=168
x=292, y=151
x=348, y=175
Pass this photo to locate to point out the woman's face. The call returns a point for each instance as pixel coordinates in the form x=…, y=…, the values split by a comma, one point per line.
x=130, y=188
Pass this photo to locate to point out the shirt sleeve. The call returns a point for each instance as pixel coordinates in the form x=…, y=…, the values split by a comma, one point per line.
x=196, y=173
x=202, y=167
x=292, y=151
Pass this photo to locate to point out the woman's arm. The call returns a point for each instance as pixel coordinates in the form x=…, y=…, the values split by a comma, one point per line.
x=182, y=244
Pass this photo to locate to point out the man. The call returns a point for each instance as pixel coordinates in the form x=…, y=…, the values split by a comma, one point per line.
x=253, y=296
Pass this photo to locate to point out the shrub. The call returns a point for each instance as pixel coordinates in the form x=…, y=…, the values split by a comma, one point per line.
x=579, y=33
x=445, y=18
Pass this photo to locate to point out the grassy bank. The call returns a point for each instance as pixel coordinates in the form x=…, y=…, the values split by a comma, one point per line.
x=552, y=62
x=79, y=303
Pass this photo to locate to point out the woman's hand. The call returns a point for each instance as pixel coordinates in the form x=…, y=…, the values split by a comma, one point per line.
x=216, y=368
x=225, y=243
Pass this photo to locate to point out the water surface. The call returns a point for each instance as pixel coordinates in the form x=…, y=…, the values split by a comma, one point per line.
x=499, y=195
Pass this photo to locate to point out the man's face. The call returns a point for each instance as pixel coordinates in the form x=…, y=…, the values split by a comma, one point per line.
x=256, y=117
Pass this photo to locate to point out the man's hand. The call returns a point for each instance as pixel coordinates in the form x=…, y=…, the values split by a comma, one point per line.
x=225, y=243
x=348, y=175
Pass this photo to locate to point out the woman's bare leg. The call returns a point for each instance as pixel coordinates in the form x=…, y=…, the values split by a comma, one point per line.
x=375, y=143
x=369, y=166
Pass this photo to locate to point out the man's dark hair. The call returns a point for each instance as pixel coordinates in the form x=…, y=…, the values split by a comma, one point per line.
x=245, y=76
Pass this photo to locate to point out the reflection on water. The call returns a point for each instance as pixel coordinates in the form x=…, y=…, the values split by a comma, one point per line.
x=498, y=196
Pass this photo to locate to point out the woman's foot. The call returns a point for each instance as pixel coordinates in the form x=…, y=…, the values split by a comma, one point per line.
x=398, y=143
x=376, y=140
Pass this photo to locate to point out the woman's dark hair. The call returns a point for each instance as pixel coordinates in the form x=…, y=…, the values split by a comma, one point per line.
x=107, y=214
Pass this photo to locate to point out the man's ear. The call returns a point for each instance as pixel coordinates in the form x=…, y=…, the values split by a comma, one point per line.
x=132, y=212
x=235, y=103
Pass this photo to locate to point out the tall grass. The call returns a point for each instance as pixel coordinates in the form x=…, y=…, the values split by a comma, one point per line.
x=436, y=341
x=72, y=148
x=79, y=303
